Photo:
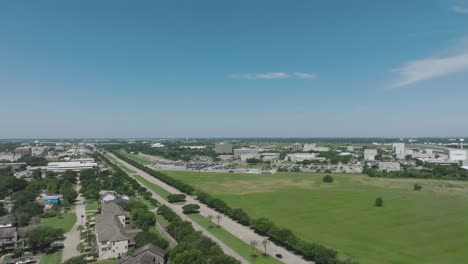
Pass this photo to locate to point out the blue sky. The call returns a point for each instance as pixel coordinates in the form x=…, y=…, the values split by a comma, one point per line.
x=113, y=68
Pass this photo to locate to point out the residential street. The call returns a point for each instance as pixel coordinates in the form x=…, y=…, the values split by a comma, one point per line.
x=73, y=236
x=242, y=232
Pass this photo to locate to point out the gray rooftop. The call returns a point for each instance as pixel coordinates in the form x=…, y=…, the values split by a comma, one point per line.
x=108, y=226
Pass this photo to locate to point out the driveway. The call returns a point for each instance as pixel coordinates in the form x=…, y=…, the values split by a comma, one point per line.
x=72, y=239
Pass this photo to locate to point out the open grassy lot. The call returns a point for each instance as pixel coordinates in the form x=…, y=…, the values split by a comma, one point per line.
x=53, y=258
x=92, y=206
x=428, y=226
x=233, y=242
x=66, y=222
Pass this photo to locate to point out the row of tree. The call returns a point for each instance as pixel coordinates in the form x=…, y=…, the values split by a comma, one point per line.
x=193, y=247
x=285, y=237
x=441, y=172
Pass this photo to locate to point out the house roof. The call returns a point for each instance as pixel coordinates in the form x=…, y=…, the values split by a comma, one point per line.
x=108, y=226
x=7, y=220
x=148, y=254
x=8, y=232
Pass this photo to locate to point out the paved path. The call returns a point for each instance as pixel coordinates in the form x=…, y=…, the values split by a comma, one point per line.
x=178, y=209
x=72, y=239
x=242, y=232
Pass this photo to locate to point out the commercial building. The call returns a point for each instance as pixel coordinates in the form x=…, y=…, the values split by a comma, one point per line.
x=369, y=154
x=296, y=147
x=243, y=151
x=223, y=148
x=23, y=151
x=308, y=147
x=245, y=157
x=457, y=155
x=111, y=236
x=389, y=166
x=398, y=148
x=271, y=157
x=70, y=165
x=303, y=156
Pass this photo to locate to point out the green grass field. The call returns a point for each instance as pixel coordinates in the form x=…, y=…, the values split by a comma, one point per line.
x=233, y=242
x=66, y=223
x=54, y=258
x=93, y=206
x=428, y=226
x=135, y=157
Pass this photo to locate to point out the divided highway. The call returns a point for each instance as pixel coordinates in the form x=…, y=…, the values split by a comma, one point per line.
x=242, y=232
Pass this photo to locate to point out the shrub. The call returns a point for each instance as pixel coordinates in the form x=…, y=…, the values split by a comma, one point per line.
x=191, y=208
x=328, y=178
x=379, y=202
x=417, y=187
x=175, y=198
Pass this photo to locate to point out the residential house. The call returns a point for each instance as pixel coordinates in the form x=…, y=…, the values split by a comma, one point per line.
x=148, y=254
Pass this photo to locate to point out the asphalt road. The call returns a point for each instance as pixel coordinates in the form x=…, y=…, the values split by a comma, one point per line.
x=242, y=232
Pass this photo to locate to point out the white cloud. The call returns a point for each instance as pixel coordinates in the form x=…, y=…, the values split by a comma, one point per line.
x=430, y=68
x=305, y=75
x=273, y=75
x=460, y=9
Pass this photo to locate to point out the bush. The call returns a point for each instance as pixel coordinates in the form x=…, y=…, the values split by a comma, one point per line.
x=175, y=198
x=191, y=208
x=379, y=202
x=417, y=187
x=328, y=178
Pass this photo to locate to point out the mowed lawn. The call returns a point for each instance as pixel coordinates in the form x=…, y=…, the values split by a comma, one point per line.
x=66, y=222
x=428, y=226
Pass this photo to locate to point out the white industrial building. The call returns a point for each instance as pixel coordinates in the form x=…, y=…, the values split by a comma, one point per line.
x=303, y=156
x=457, y=155
x=245, y=157
x=389, y=166
x=369, y=154
x=70, y=165
x=243, y=151
x=271, y=157
x=309, y=147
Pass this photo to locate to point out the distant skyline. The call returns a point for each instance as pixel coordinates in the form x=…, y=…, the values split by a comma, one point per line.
x=325, y=68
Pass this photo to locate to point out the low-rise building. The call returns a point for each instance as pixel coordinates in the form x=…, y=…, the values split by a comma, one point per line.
x=369, y=154
x=309, y=147
x=270, y=156
x=457, y=155
x=245, y=157
x=389, y=166
x=70, y=165
x=243, y=151
x=303, y=156
x=111, y=236
x=23, y=151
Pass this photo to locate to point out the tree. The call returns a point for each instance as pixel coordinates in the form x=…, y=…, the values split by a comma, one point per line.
x=254, y=243
x=143, y=218
x=210, y=217
x=175, y=198
x=144, y=238
x=379, y=202
x=265, y=243
x=218, y=217
x=40, y=238
x=190, y=208
x=328, y=179
x=417, y=187
x=191, y=256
